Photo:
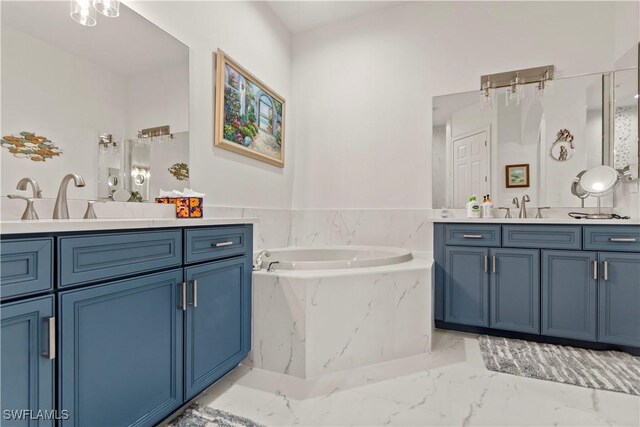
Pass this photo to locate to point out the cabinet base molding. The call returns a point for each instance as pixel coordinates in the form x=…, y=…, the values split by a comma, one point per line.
x=439, y=324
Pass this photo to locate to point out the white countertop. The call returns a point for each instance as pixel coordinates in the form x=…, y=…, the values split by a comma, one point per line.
x=567, y=220
x=65, y=225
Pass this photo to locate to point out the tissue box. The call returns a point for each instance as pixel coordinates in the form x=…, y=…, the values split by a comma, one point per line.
x=186, y=207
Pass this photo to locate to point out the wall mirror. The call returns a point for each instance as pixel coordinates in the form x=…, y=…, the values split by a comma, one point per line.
x=537, y=144
x=94, y=101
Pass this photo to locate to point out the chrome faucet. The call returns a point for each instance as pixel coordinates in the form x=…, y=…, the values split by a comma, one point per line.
x=24, y=182
x=271, y=267
x=257, y=262
x=61, y=209
x=523, y=206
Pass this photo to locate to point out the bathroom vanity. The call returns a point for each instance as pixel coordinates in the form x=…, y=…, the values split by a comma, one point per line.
x=117, y=324
x=569, y=283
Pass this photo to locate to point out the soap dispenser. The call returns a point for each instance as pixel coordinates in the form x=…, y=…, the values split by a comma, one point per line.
x=473, y=207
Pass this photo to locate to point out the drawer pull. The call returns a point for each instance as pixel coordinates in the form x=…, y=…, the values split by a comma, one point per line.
x=184, y=297
x=221, y=244
x=51, y=352
x=606, y=270
x=595, y=270
x=472, y=236
x=623, y=239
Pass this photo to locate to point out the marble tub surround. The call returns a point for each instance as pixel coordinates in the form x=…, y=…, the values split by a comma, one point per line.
x=449, y=386
x=402, y=228
x=311, y=323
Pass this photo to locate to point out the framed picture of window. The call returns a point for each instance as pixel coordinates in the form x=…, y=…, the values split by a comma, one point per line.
x=517, y=176
x=249, y=115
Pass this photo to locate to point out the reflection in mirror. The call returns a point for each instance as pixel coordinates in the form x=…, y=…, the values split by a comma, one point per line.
x=625, y=121
x=557, y=133
x=80, y=95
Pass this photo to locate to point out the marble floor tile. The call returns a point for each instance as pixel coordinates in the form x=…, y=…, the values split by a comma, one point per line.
x=449, y=386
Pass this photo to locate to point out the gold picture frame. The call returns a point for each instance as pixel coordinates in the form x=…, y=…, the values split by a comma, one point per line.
x=249, y=116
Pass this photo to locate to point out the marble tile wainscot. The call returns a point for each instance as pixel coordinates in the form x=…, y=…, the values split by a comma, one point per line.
x=157, y=310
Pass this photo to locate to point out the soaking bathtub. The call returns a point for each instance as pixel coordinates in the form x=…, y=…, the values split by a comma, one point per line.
x=327, y=309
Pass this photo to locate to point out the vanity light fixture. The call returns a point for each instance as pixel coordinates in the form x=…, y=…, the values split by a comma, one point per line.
x=82, y=12
x=515, y=81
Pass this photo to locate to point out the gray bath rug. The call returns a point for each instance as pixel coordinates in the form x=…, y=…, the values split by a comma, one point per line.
x=197, y=415
x=605, y=370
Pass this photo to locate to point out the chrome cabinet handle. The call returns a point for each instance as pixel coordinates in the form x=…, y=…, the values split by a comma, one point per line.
x=622, y=239
x=218, y=245
x=605, y=264
x=493, y=264
x=183, y=306
x=51, y=352
x=595, y=270
x=472, y=236
x=486, y=264
x=195, y=294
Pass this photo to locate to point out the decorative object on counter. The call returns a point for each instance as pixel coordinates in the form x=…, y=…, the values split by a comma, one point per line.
x=28, y=145
x=189, y=203
x=90, y=213
x=563, y=364
x=121, y=195
x=180, y=171
x=249, y=116
x=136, y=197
x=200, y=415
x=517, y=176
x=487, y=207
x=562, y=148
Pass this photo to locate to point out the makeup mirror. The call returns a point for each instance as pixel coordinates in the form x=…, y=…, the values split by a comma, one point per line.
x=596, y=182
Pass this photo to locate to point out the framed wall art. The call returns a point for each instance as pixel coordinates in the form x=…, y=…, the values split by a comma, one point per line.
x=517, y=176
x=249, y=115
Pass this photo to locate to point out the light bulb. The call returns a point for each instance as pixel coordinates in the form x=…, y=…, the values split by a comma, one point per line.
x=82, y=12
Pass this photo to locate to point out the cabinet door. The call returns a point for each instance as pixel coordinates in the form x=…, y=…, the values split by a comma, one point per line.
x=515, y=290
x=569, y=294
x=121, y=344
x=619, y=299
x=27, y=370
x=218, y=328
x=466, y=285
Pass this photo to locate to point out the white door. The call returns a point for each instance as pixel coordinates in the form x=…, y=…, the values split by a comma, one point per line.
x=470, y=166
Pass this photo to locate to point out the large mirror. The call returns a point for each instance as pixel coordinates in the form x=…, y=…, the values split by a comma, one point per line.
x=109, y=102
x=536, y=144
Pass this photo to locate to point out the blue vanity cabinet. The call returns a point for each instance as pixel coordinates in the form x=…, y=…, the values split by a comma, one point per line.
x=218, y=320
x=569, y=294
x=466, y=291
x=27, y=365
x=619, y=298
x=515, y=290
x=121, y=348
x=26, y=266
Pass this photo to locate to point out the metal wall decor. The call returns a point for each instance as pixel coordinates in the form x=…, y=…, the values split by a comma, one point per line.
x=180, y=171
x=562, y=149
x=28, y=145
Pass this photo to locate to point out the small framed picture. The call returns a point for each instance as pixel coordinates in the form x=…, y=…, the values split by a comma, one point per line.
x=517, y=176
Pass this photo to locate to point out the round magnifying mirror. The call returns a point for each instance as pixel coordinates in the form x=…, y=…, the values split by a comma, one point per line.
x=121, y=195
x=599, y=181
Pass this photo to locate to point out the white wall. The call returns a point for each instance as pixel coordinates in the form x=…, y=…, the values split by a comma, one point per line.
x=69, y=100
x=251, y=34
x=157, y=98
x=363, y=86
